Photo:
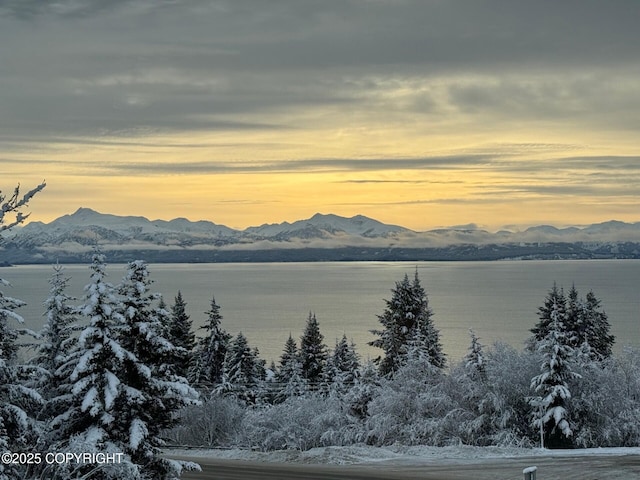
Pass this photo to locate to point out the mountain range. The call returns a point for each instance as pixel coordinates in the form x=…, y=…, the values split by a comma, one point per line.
x=71, y=238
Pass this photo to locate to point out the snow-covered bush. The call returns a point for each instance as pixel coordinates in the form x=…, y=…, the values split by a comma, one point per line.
x=606, y=402
x=300, y=423
x=413, y=408
x=214, y=423
x=509, y=372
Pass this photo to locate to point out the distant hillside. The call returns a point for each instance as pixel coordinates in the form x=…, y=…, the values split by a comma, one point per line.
x=323, y=237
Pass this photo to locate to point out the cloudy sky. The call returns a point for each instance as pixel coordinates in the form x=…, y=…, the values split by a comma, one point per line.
x=423, y=113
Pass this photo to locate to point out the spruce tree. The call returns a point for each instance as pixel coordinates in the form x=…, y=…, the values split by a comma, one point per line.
x=586, y=326
x=474, y=360
x=57, y=343
x=209, y=355
x=181, y=335
x=344, y=361
x=98, y=387
x=18, y=403
x=291, y=382
x=60, y=322
x=289, y=354
x=555, y=301
x=596, y=329
x=406, y=319
x=243, y=370
x=429, y=334
x=551, y=416
x=160, y=391
x=313, y=353
x=165, y=318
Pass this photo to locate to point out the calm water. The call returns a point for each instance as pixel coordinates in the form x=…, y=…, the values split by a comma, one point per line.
x=267, y=301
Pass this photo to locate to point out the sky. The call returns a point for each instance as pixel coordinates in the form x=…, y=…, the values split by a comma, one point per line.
x=421, y=113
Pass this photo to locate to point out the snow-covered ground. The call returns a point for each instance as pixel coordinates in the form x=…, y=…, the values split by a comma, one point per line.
x=396, y=454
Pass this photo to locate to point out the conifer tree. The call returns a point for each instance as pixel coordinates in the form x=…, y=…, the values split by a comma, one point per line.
x=209, y=355
x=555, y=301
x=160, y=391
x=290, y=379
x=344, y=362
x=407, y=318
x=243, y=370
x=60, y=322
x=596, y=329
x=474, y=360
x=120, y=393
x=18, y=403
x=181, y=335
x=551, y=416
x=313, y=353
x=289, y=355
x=165, y=318
x=98, y=384
x=429, y=334
x=57, y=343
x=586, y=326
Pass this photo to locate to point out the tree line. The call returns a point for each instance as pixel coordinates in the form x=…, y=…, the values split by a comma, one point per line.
x=550, y=393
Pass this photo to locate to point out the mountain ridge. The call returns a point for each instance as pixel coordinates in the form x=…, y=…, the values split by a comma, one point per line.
x=83, y=213
x=73, y=236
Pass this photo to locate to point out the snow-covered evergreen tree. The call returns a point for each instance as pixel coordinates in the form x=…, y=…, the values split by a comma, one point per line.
x=244, y=370
x=57, y=333
x=155, y=393
x=586, y=325
x=209, y=355
x=51, y=377
x=289, y=354
x=291, y=382
x=181, y=335
x=551, y=414
x=596, y=330
x=121, y=392
x=18, y=402
x=555, y=301
x=343, y=365
x=407, y=311
x=164, y=317
x=474, y=360
x=313, y=352
x=98, y=386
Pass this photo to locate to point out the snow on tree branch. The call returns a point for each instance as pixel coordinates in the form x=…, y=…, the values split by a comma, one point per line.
x=13, y=205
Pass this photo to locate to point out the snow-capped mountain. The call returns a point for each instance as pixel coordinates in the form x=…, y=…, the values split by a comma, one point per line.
x=87, y=227
x=72, y=237
x=323, y=226
x=125, y=225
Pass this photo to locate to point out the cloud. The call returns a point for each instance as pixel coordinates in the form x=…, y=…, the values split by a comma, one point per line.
x=92, y=65
x=492, y=100
x=31, y=9
x=292, y=166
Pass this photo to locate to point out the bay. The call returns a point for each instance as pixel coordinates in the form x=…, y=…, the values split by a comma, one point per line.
x=268, y=301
